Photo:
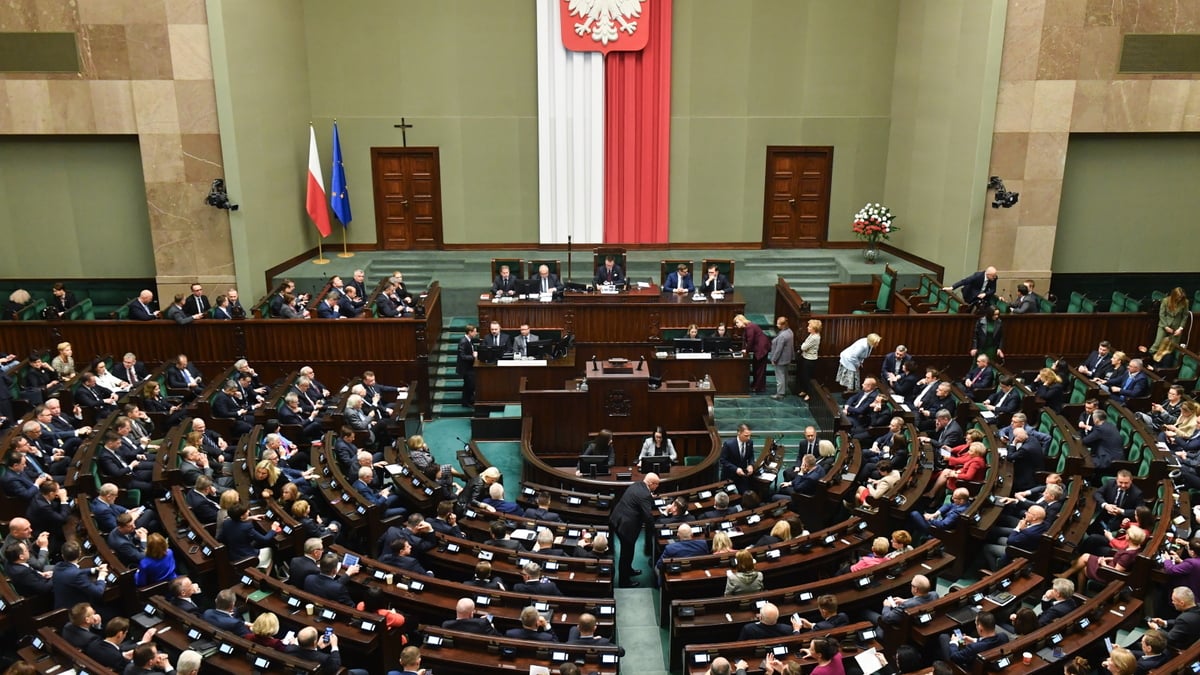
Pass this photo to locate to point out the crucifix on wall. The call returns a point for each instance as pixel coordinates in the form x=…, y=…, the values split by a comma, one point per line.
x=403, y=127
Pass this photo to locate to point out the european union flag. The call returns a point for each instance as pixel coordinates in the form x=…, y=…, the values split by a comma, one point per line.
x=339, y=194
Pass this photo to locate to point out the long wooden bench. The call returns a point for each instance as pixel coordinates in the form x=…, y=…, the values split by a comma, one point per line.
x=459, y=653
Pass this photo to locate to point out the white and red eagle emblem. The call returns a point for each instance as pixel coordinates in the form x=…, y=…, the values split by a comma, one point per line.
x=605, y=25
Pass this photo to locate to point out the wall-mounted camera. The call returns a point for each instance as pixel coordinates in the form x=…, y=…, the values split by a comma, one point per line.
x=1003, y=197
x=218, y=198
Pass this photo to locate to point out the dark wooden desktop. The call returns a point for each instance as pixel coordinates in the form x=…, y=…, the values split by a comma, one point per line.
x=633, y=318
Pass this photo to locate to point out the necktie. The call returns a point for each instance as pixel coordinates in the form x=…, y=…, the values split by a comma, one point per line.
x=187, y=377
x=812, y=450
x=1001, y=401
x=132, y=375
x=545, y=285
x=1119, y=500
x=33, y=463
x=118, y=456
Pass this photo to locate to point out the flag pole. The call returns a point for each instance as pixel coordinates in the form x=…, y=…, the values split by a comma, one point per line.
x=320, y=259
x=345, y=253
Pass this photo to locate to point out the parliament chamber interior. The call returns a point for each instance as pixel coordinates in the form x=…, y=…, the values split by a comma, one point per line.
x=625, y=377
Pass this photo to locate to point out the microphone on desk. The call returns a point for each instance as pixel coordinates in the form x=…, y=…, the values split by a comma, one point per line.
x=594, y=368
x=641, y=362
x=466, y=445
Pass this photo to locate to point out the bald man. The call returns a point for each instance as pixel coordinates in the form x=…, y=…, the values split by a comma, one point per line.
x=466, y=619
x=979, y=288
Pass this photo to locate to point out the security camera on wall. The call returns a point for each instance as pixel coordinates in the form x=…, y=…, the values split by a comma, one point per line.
x=217, y=197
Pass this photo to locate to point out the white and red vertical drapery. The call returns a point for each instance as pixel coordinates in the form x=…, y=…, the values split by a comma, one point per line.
x=604, y=123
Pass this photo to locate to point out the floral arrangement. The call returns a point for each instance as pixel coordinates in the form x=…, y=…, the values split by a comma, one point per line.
x=874, y=222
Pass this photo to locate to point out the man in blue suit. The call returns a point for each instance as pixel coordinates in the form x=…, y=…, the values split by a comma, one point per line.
x=679, y=281
x=945, y=517
x=1104, y=441
x=328, y=584
x=1135, y=384
x=737, y=459
x=328, y=307
x=683, y=547
x=806, y=481
x=1026, y=536
x=221, y=615
x=15, y=483
x=964, y=652
x=387, y=501
x=893, y=364
x=73, y=584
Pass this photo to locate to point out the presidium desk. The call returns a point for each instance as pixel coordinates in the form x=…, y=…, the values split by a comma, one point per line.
x=630, y=324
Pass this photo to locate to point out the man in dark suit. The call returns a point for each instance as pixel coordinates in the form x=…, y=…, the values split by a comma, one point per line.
x=200, y=500
x=386, y=304
x=1027, y=458
x=27, y=581
x=810, y=446
x=927, y=410
x=500, y=537
x=893, y=364
x=714, y=281
x=1057, y=602
x=546, y=282
x=358, y=281
x=964, y=652
x=542, y=510
x=1026, y=536
x=351, y=304
x=584, y=633
x=465, y=364
x=49, y=511
x=400, y=554
x=14, y=482
x=679, y=281
x=947, y=432
x=1104, y=441
x=827, y=607
x=328, y=307
x=328, y=584
x=1099, y=363
x=534, y=583
x=505, y=284
x=222, y=616
x=82, y=627
x=1134, y=385
x=629, y=516
x=609, y=272
x=1184, y=630
x=737, y=459
x=1154, y=652
x=858, y=407
x=1117, y=500
x=114, y=469
x=767, y=625
x=979, y=288
x=981, y=376
x=534, y=626
x=179, y=315
x=128, y=542
x=182, y=590
x=806, y=481
x=225, y=406
x=197, y=302
x=183, y=375
x=73, y=584
x=465, y=619
x=110, y=652
x=496, y=339
x=1006, y=400
x=304, y=566
x=312, y=645
x=142, y=309
x=131, y=370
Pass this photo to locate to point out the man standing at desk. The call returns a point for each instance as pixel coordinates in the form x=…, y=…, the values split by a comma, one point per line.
x=737, y=459
x=679, y=281
x=632, y=513
x=465, y=365
x=610, y=272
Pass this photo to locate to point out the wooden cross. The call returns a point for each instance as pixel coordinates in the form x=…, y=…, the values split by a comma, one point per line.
x=403, y=127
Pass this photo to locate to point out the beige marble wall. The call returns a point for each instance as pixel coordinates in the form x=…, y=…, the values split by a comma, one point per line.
x=1058, y=75
x=146, y=70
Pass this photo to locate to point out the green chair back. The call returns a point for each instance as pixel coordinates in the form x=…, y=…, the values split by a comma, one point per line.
x=1046, y=306
x=32, y=311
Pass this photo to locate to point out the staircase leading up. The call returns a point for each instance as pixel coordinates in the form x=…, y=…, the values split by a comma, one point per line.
x=445, y=383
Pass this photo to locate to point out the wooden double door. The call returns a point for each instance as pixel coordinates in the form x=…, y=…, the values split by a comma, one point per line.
x=796, y=203
x=408, y=198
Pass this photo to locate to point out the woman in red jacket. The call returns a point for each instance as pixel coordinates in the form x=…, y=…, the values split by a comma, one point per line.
x=971, y=466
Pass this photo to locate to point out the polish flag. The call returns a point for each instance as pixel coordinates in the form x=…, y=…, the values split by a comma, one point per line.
x=315, y=202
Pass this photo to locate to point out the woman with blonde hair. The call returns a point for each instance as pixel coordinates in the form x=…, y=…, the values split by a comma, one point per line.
x=1172, y=315
x=722, y=543
x=851, y=359
x=226, y=501
x=268, y=480
x=743, y=578
x=16, y=302
x=1049, y=388
x=263, y=631
x=1120, y=661
x=64, y=363
x=781, y=531
x=808, y=359
x=1087, y=566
